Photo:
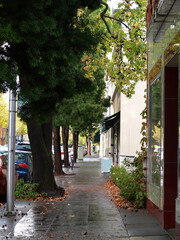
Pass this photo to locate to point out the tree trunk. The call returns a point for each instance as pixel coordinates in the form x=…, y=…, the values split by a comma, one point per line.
x=75, y=146
x=77, y=139
x=65, y=137
x=40, y=136
x=57, y=152
x=89, y=145
x=47, y=135
x=21, y=137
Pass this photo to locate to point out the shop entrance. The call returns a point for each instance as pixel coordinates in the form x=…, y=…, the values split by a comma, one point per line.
x=170, y=141
x=163, y=144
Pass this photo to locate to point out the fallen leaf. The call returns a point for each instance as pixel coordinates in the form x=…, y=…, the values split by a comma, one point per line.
x=114, y=192
x=51, y=235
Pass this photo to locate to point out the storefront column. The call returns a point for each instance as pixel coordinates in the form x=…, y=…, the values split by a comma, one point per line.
x=170, y=145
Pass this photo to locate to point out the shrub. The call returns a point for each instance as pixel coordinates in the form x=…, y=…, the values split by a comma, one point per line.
x=131, y=183
x=26, y=190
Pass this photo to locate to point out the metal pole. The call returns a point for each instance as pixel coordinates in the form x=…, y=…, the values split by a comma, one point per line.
x=11, y=154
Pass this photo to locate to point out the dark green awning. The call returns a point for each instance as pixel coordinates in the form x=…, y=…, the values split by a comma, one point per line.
x=97, y=137
x=110, y=121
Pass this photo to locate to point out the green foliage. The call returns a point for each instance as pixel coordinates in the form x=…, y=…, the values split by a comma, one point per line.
x=123, y=34
x=4, y=112
x=129, y=56
x=127, y=41
x=26, y=190
x=131, y=183
x=21, y=127
x=46, y=40
x=84, y=110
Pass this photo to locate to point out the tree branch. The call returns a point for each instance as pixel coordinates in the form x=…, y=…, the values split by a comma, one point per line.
x=103, y=15
x=118, y=20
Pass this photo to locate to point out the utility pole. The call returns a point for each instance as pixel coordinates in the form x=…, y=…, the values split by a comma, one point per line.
x=11, y=154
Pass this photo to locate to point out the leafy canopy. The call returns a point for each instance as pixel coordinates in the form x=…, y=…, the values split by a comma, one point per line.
x=124, y=38
x=44, y=40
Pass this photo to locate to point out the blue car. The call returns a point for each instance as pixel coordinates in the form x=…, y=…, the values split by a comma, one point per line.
x=23, y=164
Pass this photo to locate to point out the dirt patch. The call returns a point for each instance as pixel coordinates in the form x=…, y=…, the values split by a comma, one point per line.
x=58, y=195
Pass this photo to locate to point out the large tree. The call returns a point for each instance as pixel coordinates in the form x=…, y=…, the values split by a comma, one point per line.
x=84, y=111
x=128, y=37
x=42, y=41
x=125, y=38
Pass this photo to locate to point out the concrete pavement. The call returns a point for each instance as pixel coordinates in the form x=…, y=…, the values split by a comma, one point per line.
x=87, y=213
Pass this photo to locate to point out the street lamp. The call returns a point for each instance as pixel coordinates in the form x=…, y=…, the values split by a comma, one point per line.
x=11, y=154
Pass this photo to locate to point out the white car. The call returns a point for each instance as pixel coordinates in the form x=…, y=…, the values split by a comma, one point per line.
x=62, y=152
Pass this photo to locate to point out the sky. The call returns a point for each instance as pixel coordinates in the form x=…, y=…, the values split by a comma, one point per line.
x=113, y=3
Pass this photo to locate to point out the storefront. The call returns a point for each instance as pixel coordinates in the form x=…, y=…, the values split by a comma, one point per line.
x=163, y=42
x=113, y=122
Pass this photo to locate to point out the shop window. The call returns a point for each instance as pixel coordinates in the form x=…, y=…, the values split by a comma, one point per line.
x=155, y=132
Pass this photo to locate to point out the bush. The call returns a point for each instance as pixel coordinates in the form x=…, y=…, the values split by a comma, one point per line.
x=131, y=184
x=26, y=190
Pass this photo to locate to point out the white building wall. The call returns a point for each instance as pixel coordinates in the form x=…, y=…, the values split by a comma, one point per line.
x=105, y=138
x=131, y=120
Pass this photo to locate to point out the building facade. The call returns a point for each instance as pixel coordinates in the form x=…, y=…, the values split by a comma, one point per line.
x=163, y=166
x=120, y=134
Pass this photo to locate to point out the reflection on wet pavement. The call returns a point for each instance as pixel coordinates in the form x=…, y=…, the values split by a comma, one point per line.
x=86, y=213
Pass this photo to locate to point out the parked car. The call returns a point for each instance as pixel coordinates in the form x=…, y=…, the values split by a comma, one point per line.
x=23, y=163
x=3, y=148
x=85, y=151
x=62, y=152
x=3, y=177
x=24, y=146
x=70, y=151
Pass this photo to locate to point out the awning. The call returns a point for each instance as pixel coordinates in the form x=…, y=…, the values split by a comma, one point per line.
x=97, y=137
x=110, y=121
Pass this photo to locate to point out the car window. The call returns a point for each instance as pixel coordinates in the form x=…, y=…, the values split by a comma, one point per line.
x=24, y=146
x=20, y=157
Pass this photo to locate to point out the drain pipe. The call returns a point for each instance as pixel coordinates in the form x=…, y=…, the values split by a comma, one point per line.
x=11, y=154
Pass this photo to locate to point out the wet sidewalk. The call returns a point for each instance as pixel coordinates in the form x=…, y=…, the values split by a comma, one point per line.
x=87, y=213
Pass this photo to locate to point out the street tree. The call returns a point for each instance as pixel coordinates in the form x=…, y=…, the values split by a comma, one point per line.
x=128, y=65
x=125, y=38
x=41, y=42
x=84, y=111
x=57, y=151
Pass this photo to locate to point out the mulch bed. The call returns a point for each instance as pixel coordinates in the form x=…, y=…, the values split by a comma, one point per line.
x=58, y=195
